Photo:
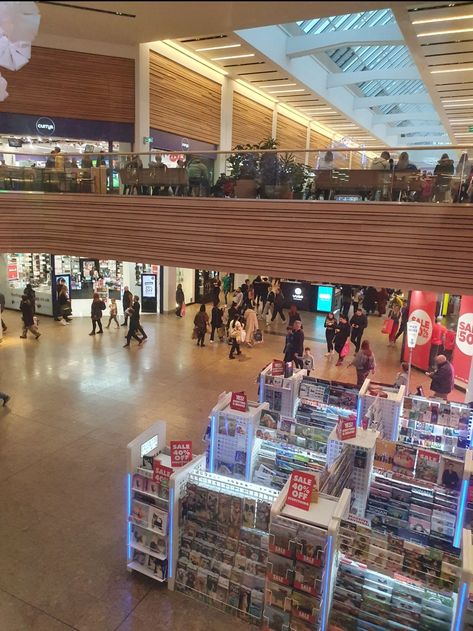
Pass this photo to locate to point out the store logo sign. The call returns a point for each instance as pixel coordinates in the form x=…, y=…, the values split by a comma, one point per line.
x=45, y=126
x=464, y=339
x=297, y=295
x=425, y=322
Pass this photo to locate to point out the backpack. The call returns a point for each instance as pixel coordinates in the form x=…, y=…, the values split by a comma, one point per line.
x=258, y=336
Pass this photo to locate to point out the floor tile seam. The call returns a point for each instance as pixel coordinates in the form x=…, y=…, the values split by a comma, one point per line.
x=5, y=591
x=130, y=613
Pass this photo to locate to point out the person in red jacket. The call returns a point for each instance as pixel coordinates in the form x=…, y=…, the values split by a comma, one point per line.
x=449, y=343
x=438, y=333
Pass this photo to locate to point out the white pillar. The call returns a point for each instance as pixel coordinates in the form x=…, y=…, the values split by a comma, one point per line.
x=169, y=289
x=142, y=100
x=226, y=124
x=307, y=145
x=274, y=127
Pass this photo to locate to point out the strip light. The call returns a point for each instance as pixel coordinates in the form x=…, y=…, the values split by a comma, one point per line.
x=171, y=525
x=233, y=57
x=279, y=85
x=452, y=70
x=213, y=428
x=460, y=514
x=458, y=105
x=457, y=30
x=128, y=528
x=468, y=100
x=325, y=595
x=285, y=91
x=203, y=50
x=461, y=605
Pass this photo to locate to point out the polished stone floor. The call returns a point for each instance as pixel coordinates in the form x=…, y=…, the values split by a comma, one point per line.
x=76, y=403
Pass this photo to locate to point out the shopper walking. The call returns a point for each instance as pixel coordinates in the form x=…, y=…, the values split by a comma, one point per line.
x=442, y=378
x=395, y=316
x=127, y=302
x=5, y=398
x=133, y=326
x=357, y=298
x=180, y=301
x=287, y=350
x=364, y=363
x=227, y=285
x=369, y=301
x=238, y=298
x=293, y=315
x=347, y=293
x=297, y=344
x=2, y=309
x=113, y=314
x=28, y=318
x=257, y=289
x=216, y=290
x=215, y=320
x=403, y=320
x=269, y=305
x=96, y=309
x=330, y=326
x=263, y=291
x=31, y=295
x=358, y=324
x=237, y=336
x=137, y=311
x=449, y=343
x=383, y=298
x=278, y=306
x=437, y=341
x=251, y=324
x=201, y=322
x=64, y=305
x=342, y=333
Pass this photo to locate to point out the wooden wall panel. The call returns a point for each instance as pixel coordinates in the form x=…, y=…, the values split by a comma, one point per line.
x=291, y=135
x=416, y=246
x=318, y=140
x=183, y=102
x=72, y=85
x=252, y=122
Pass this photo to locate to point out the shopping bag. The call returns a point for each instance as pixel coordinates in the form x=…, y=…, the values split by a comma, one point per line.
x=195, y=333
x=346, y=349
x=242, y=335
x=258, y=336
x=183, y=310
x=221, y=331
x=387, y=326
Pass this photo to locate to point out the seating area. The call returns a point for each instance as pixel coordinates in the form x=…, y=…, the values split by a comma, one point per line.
x=154, y=181
x=50, y=180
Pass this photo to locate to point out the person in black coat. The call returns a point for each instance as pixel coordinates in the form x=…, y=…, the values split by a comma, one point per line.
x=127, y=302
x=358, y=324
x=278, y=305
x=134, y=315
x=179, y=300
x=215, y=320
x=96, y=309
x=31, y=295
x=442, y=378
x=137, y=312
x=297, y=343
x=369, y=301
x=263, y=291
x=28, y=318
x=342, y=333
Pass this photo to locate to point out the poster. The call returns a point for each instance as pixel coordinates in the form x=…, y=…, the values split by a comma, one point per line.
x=181, y=452
x=463, y=352
x=422, y=310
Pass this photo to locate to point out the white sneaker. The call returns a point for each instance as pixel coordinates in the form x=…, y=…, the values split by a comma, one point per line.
x=64, y=323
x=211, y=341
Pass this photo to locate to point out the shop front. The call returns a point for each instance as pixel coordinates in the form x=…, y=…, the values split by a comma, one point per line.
x=311, y=296
x=204, y=282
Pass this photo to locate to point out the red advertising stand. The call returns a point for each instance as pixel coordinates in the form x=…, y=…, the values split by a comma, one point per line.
x=181, y=452
x=422, y=310
x=463, y=353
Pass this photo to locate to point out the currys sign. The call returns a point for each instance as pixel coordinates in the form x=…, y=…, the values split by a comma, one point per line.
x=45, y=126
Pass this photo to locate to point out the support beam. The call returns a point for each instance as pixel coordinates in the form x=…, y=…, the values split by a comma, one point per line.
x=406, y=116
x=393, y=74
x=421, y=131
x=374, y=101
x=303, y=45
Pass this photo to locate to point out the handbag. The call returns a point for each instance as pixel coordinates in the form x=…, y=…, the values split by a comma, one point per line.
x=195, y=333
x=346, y=349
x=258, y=336
x=242, y=335
x=183, y=310
x=387, y=326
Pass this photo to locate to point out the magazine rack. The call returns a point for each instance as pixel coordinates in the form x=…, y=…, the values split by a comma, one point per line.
x=463, y=619
x=281, y=393
x=302, y=559
x=383, y=413
x=150, y=541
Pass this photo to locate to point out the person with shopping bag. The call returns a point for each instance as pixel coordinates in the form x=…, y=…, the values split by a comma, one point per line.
x=238, y=336
x=340, y=341
x=180, y=302
x=395, y=317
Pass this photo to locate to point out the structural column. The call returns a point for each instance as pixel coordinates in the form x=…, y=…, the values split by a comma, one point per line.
x=142, y=127
x=274, y=127
x=226, y=124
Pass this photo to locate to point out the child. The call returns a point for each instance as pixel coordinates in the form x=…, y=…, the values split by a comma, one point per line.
x=308, y=360
x=113, y=313
x=401, y=379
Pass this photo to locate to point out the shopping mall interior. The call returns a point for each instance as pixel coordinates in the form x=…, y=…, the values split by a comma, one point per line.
x=237, y=316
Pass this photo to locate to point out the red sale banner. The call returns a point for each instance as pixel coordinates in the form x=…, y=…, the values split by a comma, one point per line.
x=463, y=353
x=346, y=427
x=238, y=401
x=181, y=452
x=277, y=368
x=12, y=271
x=160, y=472
x=301, y=486
x=422, y=309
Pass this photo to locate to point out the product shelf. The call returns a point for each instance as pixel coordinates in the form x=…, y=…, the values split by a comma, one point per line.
x=146, y=550
x=134, y=565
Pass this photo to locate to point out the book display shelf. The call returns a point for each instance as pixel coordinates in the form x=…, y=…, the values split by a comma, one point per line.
x=222, y=549
x=151, y=503
x=280, y=392
x=381, y=411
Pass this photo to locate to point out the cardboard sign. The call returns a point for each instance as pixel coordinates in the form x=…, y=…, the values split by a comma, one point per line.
x=181, y=452
x=346, y=427
x=277, y=368
x=301, y=487
x=160, y=472
x=238, y=401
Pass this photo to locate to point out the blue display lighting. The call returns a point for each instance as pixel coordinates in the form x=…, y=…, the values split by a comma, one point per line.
x=213, y=431
x=128, y=524
x=325, y=595
x=171, y=523
x=461, y=605
x=461, y=514
x=358, y=411
x=324, y=298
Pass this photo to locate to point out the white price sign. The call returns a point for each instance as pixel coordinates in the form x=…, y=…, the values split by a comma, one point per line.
x=413, y=327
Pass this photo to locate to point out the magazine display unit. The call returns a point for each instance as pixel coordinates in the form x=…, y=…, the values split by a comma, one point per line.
x=464, y=618
x=361, y=450
x=281, y=393
x=152, y=506
x=381, y=412
x=436, y=425
x=385, y=582
x=222, y=550
x=301, y=563
x=232, y=438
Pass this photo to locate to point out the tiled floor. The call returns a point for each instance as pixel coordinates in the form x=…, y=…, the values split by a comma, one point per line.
x=76, y=403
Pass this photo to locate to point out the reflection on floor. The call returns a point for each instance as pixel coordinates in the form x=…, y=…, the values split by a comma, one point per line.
x=76, y=402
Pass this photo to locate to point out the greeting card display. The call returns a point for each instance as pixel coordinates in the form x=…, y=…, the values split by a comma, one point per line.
x=303, y=489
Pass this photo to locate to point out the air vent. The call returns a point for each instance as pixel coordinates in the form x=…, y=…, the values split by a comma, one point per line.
x=247, y=74
x=65, y=5
x=251, y=63
x=203, y=39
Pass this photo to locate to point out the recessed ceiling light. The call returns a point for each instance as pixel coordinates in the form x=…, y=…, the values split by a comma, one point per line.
x=452, y=69
x=449, y=19
x=457, y=30
x=202, y=50
x=279, y=85
x=233, y=57
x=285, y=91
x=458, y=105
x=445, y=102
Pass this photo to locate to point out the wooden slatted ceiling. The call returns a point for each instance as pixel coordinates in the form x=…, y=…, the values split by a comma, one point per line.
x=416, y=246
x=72, y=85
x=183, y=102
x=252, y=122
x=291, y=135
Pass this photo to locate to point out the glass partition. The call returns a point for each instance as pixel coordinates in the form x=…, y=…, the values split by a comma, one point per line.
x=440, y=174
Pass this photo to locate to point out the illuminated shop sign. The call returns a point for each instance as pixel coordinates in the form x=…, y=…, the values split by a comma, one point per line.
x=45, y=126
x=324, y=298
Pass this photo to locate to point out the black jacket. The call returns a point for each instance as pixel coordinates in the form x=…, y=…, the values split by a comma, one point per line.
x=216, y=319
x=27, y=312
x=96, y=309
x=279, y=299
x=298, y=342
x=127, y=299
x=342, y=332
x=179, y=296
x=361, y=322
x=442, y=379
x=137, y=308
